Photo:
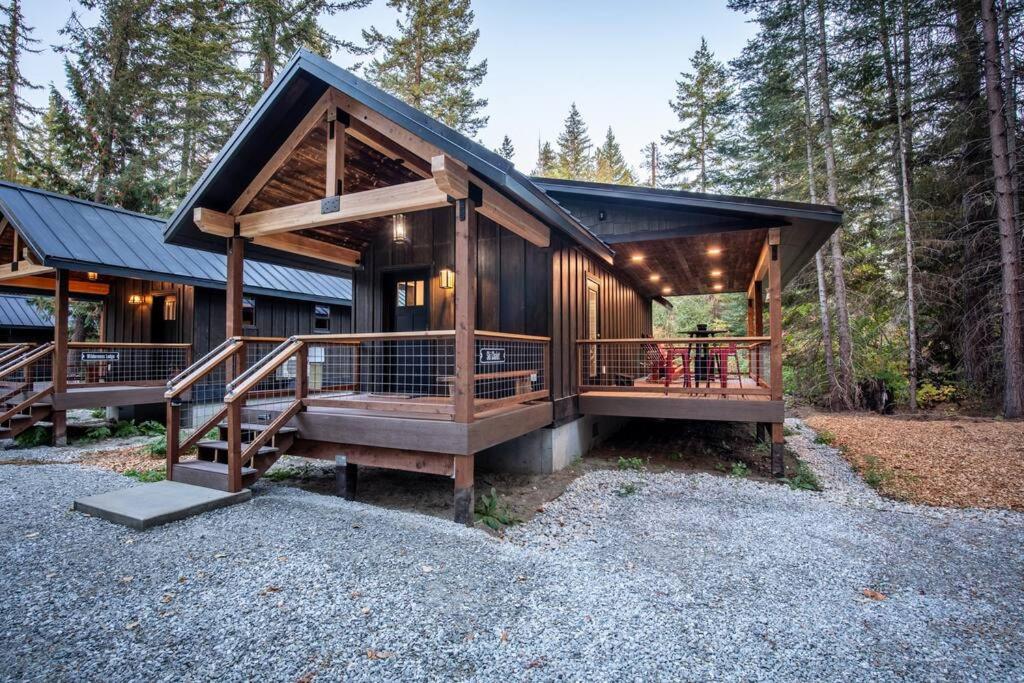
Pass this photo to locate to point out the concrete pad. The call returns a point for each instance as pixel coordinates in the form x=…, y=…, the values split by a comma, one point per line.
x=145, y=506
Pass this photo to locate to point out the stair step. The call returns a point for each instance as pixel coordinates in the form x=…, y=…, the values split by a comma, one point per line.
x=223, y=446
x=257, y=427
x=211, y=475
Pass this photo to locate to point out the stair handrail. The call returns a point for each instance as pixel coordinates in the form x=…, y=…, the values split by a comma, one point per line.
x=13, y=351
x=202, y=367
x=26, y=359
x=261, y=369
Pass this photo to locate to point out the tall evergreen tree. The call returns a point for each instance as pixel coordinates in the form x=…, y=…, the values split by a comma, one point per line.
x=274, y=29
x=652, y=164
x=575, y=159
x=56, y=151
x=610, y=166
x=506, y=150
x=547, y=161
x=427, y=63
x=15, y=40
x=697, y=149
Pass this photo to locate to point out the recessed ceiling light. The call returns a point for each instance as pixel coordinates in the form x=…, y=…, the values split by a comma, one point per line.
x=714, y=251
x=666, y=290
x=637, y=258
x=655, y=277
x=717, y=288
x=716, y=273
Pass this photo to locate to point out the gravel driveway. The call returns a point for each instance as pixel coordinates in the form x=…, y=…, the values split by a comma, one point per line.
x=691, y=577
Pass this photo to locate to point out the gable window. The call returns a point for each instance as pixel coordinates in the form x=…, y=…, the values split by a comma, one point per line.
x=410, y=293
x=321, y=318
x=248, y=311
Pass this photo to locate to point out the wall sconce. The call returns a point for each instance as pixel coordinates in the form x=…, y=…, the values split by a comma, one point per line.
x=400, y=228
x=92, y=276
x=171, y=308
x=135, y=299
x=447, y=278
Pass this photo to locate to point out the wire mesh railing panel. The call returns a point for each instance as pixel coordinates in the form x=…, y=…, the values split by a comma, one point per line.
x=115, y=364
x=275, y=391
x=683, y=365
x=507, y=367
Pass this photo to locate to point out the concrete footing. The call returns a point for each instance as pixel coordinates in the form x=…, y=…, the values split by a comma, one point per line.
x=145, y=506
x=549, y=449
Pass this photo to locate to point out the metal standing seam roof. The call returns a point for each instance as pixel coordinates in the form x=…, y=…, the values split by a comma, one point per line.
x=66, y=232
x=18, y=311
x=301, y=82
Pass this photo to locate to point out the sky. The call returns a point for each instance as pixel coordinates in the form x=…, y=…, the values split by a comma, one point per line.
x=617, y=61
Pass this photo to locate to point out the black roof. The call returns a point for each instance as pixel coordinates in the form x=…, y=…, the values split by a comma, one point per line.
x=296, y=89
x=18, y=311
x=66, y=232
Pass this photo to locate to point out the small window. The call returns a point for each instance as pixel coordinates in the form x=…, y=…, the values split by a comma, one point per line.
x=410, y=293
x=321, y=318
x=248, y=312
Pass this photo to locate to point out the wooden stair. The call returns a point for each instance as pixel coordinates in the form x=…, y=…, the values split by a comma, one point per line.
x=27, y=418
x=210, y=468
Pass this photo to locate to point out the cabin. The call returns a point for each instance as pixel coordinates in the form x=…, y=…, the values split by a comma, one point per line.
x=161, y=306
x=22, y=322
x=494, y=316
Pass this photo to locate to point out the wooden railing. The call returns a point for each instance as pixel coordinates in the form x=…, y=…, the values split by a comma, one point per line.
x=687, y=365
x=19, y=372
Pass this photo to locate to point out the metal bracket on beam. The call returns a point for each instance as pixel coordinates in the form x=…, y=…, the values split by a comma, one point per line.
x=330, y=204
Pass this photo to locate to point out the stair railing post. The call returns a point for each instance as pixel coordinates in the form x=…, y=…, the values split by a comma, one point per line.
x=302, y=372
x=234, y=428
x=173, y=440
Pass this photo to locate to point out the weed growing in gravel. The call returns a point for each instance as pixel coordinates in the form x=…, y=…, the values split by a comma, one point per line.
x=805, y=479
x=282, y=473
x=31, y=438
x=146, y=476
x=493, y=512
x=826, y=437
x=786, y=431
x=627, y=489
x=675, y=456
x=635, y=464
x=875, y=475
x=739, y=469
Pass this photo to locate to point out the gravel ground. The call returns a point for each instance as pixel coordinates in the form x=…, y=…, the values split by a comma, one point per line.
x=63, y=454
x=690, y=577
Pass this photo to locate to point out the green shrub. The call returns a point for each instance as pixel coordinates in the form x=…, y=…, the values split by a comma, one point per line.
x=805, y=479
x=157, y=447
x=98, y=413
x=635, y=464
x=739, y=469
x=929, y=395
x=874, y=473
x=123, y=430
x=493, y=512
x=152, y=428
x=32, y=437
x=762, y=448
x=826, y=437
x=146, y=476
x=96, y=434
x=627, y=489
x=786, y=431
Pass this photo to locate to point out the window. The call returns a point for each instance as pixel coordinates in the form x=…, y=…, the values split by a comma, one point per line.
x=321, y=318
x=410, y=293
x=248, y=312
x=170, y=308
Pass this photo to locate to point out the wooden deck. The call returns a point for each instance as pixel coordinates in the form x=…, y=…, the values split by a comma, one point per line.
x=714, y=403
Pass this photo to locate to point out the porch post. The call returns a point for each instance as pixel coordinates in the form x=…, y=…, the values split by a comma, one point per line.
x=59, y=418
x=465, y=348
x=775, y=327
x=233, y=292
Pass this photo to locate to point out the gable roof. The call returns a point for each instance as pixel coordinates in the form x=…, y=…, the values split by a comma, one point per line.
x=18, y=311
x=66, y=232
x=299, y=85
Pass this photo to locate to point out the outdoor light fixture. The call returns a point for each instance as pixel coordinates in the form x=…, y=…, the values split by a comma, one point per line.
x=714, y=251
x=716, y=273
x=447, y=276
x=92, y=276
x=655, y=277
x=637, y=258
x=717, y=288
x=135, y=299
x=171, y=308
x=400, y=228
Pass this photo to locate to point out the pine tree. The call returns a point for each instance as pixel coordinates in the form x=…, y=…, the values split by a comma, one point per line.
x=652, y=164
x=506, y=150
x=547, y=160
x=15, y=40
x=56, y=151
x=575, y=160
x=697, y=149
x=274, y=29
x=427, y=63
x=610, y=166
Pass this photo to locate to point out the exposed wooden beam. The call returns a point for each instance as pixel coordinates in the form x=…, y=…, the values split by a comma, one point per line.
x=313, y=118
x=45, y=283
x=451, y=177
x=418, y=195
x=310, y=248
x=465, y=309
x=335, y=176
x=358, y=111
x=760, y=270
x=377, y=142
x=507, y=214
x=11, y=271
x=214, y=222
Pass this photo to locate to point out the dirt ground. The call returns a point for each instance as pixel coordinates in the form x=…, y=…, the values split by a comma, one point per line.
x=935, y=460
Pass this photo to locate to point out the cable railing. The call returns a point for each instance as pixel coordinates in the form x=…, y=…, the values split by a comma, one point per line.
x=689, y=366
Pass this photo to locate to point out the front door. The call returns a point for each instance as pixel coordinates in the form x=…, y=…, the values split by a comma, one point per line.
x=407, y=309
x=593, y=325
x=163, y=314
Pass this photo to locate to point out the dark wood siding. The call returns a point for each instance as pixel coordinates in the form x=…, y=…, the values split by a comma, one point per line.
x=201, y=315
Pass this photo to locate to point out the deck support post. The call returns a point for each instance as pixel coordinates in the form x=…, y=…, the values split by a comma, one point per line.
x=59, y=418
x=233, y=294
x=346, y=475
x=775, y=328
x=465, y=308
x=464, y=502
x=173, y=436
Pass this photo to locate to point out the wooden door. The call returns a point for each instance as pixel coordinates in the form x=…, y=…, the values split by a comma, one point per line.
x=593, y=321
x=408, y=362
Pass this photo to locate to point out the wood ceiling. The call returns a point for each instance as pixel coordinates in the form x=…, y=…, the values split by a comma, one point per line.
x=684, y=265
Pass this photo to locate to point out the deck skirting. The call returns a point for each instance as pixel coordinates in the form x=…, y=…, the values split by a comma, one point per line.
x=683, y=408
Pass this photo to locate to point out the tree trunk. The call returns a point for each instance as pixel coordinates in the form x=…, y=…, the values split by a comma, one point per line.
x=819, y=259
x=846, y=392
x=1009, y=249
x=1010, y=90
x=10, y=126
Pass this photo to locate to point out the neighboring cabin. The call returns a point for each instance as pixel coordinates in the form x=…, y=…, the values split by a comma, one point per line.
x=23, y=322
